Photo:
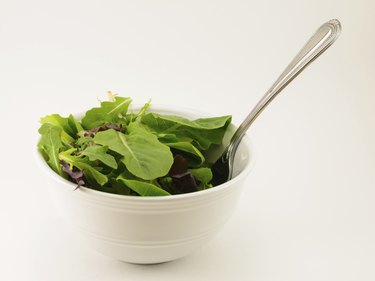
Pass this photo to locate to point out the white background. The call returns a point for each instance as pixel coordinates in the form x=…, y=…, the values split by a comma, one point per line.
x=308, y=210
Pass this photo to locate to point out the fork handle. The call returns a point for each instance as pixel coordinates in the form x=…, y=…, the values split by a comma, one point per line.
x=314, y=47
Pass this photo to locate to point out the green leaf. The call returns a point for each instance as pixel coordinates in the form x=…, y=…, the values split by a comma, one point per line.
x=67, y=133
x=166, y=183
x=83, y=141
x=57, y=120
x=137, y=127
x=144, y=156
x=50, y=143
x=203, y=139
x=165, y=121
x=143, y=188
x=169, y=138
x=97, y=152
x=203, y=175
x=108, y=112
x=120, y=188
x=92, y=174
x=141, y=112
x=194, y=157
x=74, y=125
x=201, y=123
x=203, y=131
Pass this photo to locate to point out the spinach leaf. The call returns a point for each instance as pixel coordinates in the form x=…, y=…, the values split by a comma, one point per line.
x=203, y=139
x=165, y=122
x=167, y=138
x=108, y=112
x=203, y=131
x=50, y=143
x=201, y=123
x=96, y=152
x=144, y=156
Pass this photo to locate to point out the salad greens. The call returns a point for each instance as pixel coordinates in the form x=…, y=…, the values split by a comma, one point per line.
x=132, y=153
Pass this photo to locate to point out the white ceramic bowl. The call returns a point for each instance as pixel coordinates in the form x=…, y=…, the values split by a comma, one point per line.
x=150, y=229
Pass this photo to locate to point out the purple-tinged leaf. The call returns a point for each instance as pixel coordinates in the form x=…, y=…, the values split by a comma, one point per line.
x=74, y=174
x=184, y=183
x=104, y=127
x=179, y=165
x=183, y=180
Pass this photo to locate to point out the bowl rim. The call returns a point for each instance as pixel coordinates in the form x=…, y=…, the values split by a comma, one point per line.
x=158, y=107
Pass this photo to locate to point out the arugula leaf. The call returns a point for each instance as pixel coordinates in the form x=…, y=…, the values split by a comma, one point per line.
x=57, y=120
x=133, y=117
x=74, y=125
x=84, y=141
x=63, y=123
x=92, y=174
x=50, y=143
x=143, y=188
x=144, y=156
x=143, y=109
x=108, y=112
x=97, y=152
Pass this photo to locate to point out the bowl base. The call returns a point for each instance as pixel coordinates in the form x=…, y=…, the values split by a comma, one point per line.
x=147, y=253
